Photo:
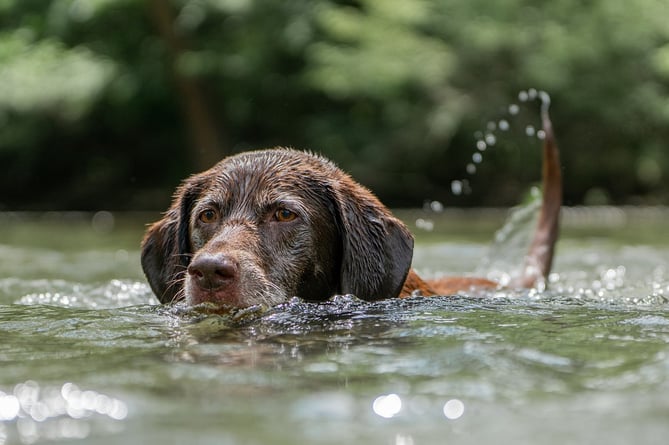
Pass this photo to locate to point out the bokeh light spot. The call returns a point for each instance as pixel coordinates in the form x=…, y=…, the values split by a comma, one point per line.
x=454, y=409
x=387, y=405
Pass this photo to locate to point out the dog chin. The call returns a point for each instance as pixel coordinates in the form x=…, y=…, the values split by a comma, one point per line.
x=218, y=297
x=231, y=298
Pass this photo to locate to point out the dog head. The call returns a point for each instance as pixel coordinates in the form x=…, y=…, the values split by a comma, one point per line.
x=261, y=227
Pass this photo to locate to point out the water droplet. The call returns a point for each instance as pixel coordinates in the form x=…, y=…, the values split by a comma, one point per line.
x=545, y=98
x=477, y=158
x=541, y=134
x=529, y=130
x=491, y=126
x=481, y=145
x=532, y=93
x=503, y=125
x=523, y=96
x=436, y=206
x=514, y=109
x=490, y=139
x=456, y=187
x=471, y=169
x=425, y=224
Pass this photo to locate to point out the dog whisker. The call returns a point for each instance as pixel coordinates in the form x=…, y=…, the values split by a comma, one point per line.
x=261, y=227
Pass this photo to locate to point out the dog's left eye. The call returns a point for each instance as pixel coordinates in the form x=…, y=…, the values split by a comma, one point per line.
x=284, y=215
x=208, y=216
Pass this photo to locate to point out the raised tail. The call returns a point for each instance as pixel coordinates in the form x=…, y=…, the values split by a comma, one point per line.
x=539, y=258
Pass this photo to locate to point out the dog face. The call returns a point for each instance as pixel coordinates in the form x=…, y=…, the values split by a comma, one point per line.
x=261, y=227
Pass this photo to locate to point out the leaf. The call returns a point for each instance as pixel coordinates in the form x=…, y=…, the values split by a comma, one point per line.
x=45, y=76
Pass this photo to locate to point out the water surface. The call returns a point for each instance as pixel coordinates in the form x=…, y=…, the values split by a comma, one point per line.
x=88, y=356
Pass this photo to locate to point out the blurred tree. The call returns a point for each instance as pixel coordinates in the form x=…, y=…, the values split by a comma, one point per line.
x=109, y=103
x=596, y=60
x=205, y=134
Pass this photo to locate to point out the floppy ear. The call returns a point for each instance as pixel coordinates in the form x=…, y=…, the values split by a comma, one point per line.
x=377, y=247
x=166, y=250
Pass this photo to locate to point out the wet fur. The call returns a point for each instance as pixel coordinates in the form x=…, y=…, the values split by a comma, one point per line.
x=343, y=241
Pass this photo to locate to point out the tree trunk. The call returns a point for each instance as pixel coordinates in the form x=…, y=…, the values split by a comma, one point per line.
x=205, y=136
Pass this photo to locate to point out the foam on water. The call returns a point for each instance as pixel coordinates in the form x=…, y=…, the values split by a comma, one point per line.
x=114, y=293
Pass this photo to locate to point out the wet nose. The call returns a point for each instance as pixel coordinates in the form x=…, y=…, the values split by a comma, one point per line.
x=213, y=271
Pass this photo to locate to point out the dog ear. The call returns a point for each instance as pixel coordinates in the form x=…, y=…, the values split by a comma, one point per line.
x=377, y=247
x=166, y=250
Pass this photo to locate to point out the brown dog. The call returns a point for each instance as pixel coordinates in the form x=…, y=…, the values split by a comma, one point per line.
x=261, y=227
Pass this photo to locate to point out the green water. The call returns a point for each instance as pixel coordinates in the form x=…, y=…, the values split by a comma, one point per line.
x=87, y=356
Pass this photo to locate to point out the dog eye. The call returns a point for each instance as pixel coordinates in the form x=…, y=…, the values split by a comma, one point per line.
x=284, y=215
x=208, y=216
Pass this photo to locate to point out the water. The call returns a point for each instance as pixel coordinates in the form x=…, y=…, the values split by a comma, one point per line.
x=487, y=138
x=88, y=356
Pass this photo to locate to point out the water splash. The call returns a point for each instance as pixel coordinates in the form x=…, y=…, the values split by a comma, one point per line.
x=486, y=140
x=112, y=294
x=430, y=207
x=511, y=242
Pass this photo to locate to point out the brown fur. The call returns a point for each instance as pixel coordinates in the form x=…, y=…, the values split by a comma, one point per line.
x=261, y=227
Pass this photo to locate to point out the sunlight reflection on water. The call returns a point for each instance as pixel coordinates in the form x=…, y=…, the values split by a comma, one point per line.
x=56, y=413
x=390, y=405
x=387, y=405
x=454, y=409
x=95, y=356
x=115, y=293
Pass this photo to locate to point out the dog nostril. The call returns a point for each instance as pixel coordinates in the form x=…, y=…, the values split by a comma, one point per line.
x=226, y=268
x=195, y=272
x=213, y=271
x=194, y=269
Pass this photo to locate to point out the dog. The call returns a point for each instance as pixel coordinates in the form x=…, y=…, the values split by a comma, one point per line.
x=263, y=226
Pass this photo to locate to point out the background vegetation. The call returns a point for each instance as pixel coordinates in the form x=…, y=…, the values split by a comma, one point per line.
x=109, y=103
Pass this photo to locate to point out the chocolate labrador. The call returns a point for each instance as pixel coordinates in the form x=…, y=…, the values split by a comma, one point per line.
x=261, y=227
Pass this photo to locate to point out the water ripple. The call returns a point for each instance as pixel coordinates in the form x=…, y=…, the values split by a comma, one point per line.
x=115, y=293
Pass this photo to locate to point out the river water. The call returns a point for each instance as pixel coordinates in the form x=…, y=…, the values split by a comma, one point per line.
x=88, y=356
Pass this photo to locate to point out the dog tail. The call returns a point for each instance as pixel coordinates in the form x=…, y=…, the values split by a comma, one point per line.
x=539, y=258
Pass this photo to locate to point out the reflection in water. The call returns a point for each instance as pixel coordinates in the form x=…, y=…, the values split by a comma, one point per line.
x=387, y=405
x=403, y=439
x=55, y=413
x=454, y=409
x=403, y=372
x=390, y=405
x=115, y=293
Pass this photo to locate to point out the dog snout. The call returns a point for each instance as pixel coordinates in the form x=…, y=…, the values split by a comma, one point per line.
x=213, y=271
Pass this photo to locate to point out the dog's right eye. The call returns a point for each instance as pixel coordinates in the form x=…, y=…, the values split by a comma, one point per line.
x=284, y=215
x=208, y=216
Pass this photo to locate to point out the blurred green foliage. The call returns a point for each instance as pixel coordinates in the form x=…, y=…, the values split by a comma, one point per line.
x=109, y=103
